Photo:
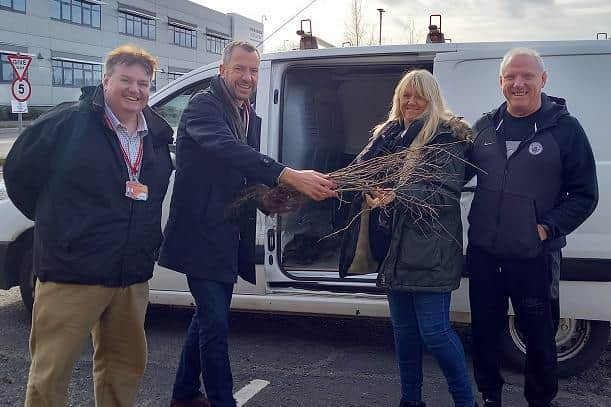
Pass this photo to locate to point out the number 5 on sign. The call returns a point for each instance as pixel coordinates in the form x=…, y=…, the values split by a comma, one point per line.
x=21, y=90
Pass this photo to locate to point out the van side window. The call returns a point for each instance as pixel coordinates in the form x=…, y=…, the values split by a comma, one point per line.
x=171, y=108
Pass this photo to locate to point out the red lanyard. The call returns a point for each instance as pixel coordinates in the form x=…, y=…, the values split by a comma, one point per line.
x=134, y=169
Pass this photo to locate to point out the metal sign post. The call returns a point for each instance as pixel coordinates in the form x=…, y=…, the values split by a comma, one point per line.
x=21, y=87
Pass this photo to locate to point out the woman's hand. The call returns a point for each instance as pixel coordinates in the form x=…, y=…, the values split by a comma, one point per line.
x=379, y=197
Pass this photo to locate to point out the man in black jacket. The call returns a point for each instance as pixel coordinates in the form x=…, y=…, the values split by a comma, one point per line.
x=216, y=156
x=93, y=175
x=538, y=184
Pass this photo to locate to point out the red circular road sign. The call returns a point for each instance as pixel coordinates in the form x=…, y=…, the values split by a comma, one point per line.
x=22, y=90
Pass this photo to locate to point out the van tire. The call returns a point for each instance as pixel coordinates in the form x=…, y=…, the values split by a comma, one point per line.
x=579, y=343
x=27, y=279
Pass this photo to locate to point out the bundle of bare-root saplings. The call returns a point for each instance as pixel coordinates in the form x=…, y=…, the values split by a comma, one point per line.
x=402, y=172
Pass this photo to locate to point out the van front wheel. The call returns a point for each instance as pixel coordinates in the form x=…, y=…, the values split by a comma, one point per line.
x=579, y=344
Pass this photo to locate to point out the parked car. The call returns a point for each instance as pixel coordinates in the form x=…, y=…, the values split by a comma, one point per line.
x=317, y=108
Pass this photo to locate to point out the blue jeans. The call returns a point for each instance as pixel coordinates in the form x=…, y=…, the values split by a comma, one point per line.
x=419, y=320
x=205, y=350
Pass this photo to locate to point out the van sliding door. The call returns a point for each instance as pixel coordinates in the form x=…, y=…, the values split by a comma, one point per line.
x=327, y=113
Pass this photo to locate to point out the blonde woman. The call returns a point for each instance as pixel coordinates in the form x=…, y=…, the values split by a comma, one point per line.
x=422, y=263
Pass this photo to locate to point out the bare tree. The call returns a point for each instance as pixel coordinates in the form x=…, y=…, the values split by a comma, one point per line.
x=410, y=27
x=357, y=31
x=411, y=33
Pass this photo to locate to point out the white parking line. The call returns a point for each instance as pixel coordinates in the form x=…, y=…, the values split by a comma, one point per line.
x=247, y=392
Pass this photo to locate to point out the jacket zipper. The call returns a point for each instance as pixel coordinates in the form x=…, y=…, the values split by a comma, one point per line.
x=129, y=224
x=505, y=172
x=129, y=232
x=501, y=194
x=399, y=224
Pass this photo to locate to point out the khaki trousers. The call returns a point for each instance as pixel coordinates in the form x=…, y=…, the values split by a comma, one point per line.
x=63, y=317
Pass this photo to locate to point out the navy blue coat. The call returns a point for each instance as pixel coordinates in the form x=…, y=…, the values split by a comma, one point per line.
x=66, y=171
x=213, y=166
x=550, y=179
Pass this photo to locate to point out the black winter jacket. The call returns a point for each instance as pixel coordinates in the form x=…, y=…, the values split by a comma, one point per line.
x=424, y=255
x=212, y=167
x=66, y=171
x=550, y=180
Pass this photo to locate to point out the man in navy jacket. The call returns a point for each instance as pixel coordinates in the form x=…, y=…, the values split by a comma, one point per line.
x=216, y=157
x=538, y=184
x=93, y=175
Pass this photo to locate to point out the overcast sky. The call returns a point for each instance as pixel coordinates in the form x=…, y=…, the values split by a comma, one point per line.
x=463, y=20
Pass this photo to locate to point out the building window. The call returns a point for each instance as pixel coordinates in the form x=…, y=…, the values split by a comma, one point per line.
x=172, y=76
x=255, y=33
x=13, y=5
x=75, y=74
x=182, y=37
x=137, y=26
x=6, y=70
x=216, y=44
x=76, y=11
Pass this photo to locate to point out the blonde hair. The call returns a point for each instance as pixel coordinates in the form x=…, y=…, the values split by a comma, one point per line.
x=130, y=54
x=424, y=85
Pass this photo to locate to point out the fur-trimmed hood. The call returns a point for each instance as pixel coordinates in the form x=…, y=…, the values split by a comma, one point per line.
x=455, y=125
x=458, y=127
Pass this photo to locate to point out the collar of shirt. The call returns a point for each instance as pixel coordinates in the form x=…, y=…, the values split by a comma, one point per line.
x=141, y=130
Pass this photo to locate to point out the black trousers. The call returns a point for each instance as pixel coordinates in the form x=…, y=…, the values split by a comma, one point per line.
x=527, y=282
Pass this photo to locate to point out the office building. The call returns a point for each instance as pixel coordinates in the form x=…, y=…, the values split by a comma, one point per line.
x=67, y=40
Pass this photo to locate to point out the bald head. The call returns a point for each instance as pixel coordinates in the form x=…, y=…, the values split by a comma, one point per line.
x=528, y=52
x=522, y=80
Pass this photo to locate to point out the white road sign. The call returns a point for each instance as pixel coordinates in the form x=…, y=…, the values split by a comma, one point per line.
x=19, y=107
x=20, y=64
x=22, y=90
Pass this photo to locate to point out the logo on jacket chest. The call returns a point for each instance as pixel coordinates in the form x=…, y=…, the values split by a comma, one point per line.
x=535, y=148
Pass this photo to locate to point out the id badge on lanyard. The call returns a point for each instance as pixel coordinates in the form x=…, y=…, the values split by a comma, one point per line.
x=133, y=188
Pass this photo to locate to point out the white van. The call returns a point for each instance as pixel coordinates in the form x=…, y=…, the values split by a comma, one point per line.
x=317, y=108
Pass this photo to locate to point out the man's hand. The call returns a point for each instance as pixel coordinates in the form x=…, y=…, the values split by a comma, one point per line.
x=311, y=183
x=542, y=232
x=380, y=197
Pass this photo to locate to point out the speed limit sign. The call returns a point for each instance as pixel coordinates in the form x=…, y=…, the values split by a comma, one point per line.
x=22, y=90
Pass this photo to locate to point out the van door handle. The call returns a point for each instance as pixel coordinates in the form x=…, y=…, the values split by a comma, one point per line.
x=271, y=240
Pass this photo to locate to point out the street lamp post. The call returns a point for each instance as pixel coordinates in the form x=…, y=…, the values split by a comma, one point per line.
x=380, y=10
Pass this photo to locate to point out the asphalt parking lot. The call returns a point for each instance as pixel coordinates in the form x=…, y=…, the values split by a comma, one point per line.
x=7, y=138
x=293, y=361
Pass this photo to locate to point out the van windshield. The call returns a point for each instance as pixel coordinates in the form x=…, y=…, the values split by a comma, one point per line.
x=327, y=117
